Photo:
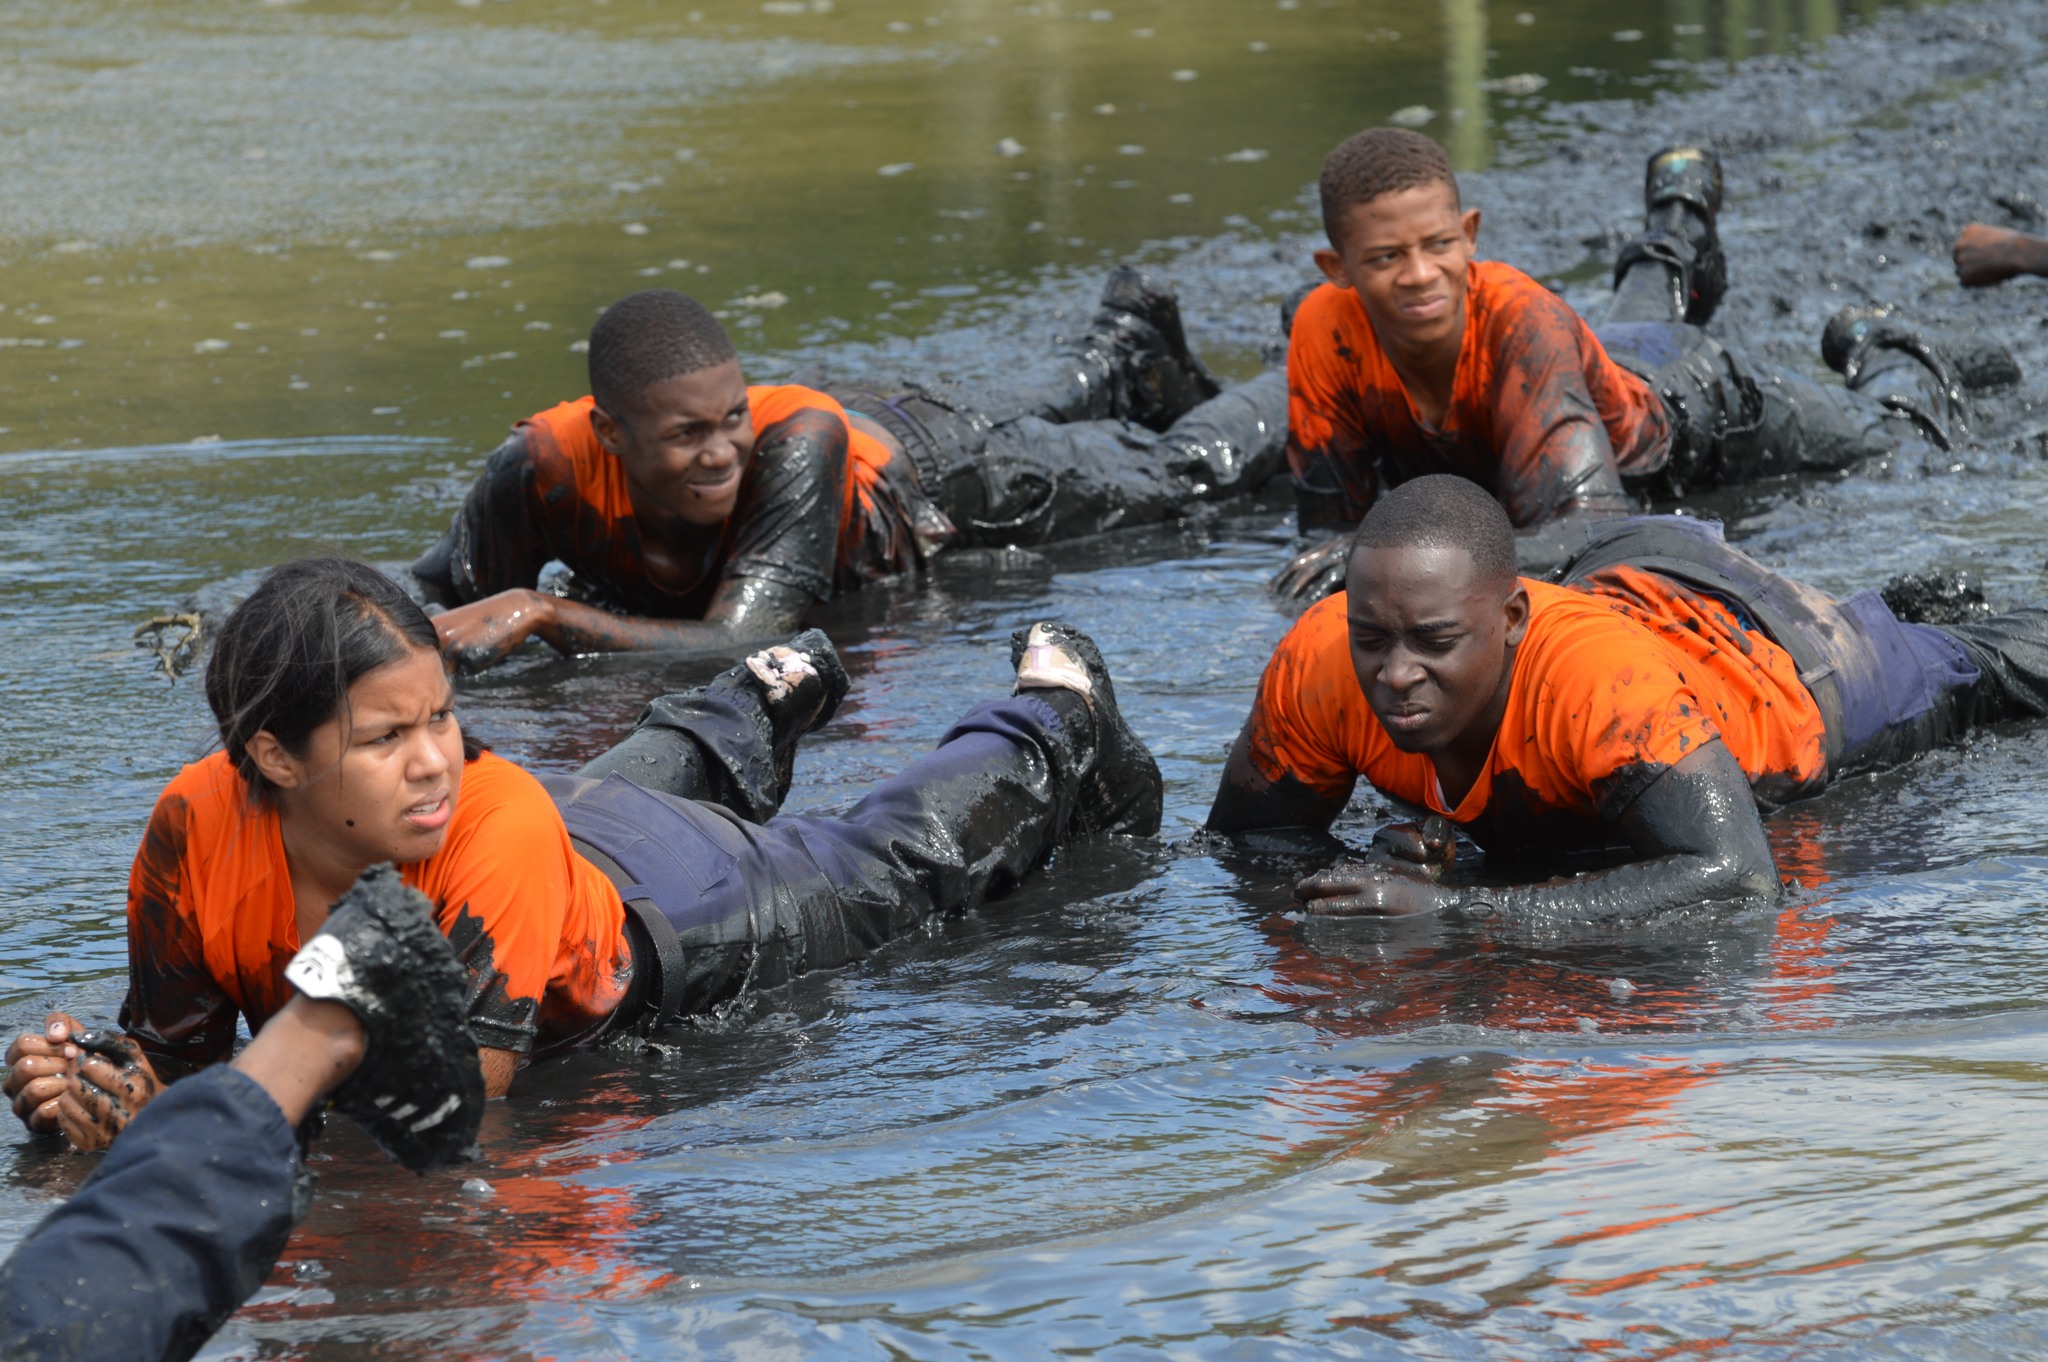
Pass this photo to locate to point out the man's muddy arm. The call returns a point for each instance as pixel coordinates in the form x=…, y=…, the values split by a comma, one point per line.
x=497, y=540
x=1695, y=827
x=1247, y=802
x=1987, y=255
x=746, y=611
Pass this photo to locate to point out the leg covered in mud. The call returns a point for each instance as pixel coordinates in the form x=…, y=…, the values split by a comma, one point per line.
x=733, y=742
x=1029, y=481
x=1734, y=420
x=744, y=906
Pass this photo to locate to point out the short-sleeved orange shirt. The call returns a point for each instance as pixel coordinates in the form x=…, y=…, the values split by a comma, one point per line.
x=1614, y=682
x=1539, y=414
x=579, y=491
x=212, y=922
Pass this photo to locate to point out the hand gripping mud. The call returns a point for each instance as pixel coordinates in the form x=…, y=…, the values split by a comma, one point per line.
x=419, y=1091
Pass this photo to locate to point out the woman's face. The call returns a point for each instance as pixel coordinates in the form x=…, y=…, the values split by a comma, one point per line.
x=378, y=781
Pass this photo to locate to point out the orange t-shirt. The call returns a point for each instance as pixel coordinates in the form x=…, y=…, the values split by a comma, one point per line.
x=1614, y=682
x=1539, y=415
x=578, y=493
x=212, y=922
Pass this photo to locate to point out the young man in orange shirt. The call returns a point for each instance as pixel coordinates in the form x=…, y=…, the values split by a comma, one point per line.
x=697, y=513
x=1416, y=357
x=1638, y=715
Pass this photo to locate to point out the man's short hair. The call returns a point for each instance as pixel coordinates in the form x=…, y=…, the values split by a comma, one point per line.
x=1375, y=162
x=646, y=337
x=1444, y=511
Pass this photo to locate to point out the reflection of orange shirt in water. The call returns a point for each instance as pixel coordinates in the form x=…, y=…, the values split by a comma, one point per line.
x=551, y=1235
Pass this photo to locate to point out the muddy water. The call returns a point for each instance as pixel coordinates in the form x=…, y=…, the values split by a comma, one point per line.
x=1134, y=1109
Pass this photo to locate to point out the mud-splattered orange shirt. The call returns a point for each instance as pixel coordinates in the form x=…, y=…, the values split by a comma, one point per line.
x=1539, y=415
x=822, y=507
x=1614, y=682
x=212, y=922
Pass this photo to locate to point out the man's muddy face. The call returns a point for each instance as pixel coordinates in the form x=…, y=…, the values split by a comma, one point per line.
x=1432, y=644
x=685, y=443
x=1406, y=255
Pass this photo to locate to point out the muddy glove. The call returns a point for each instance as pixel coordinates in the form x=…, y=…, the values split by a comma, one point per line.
x=1314, y=573
x=419, y=1091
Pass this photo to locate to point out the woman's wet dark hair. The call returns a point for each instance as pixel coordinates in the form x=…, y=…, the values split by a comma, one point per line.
x=286, y=657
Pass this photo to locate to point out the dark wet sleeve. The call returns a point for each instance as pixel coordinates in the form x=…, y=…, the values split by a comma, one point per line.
x=1322, y=499
x=175, y=1009
x=501, y=537
x=1696, y=835
x=179, y=1224
x=1553, y=447
x=786, y=527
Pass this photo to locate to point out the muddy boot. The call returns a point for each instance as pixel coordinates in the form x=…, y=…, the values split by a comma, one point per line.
x=419, y=1091
x=801, y=684
x=1232, y=443
x=733, y=741
x=1882, y=356
x=1133, y=364
x=1121, y=790
x=1674, y=270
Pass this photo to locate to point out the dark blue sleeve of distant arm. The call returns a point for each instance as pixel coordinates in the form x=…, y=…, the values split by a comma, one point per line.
x=179, y=1224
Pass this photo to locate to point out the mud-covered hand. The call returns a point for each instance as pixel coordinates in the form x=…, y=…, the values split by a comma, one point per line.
x=113, y=1082
x=40, y=1066
x=1428, y=847
x=1315, y=572
x=483, y=633
x=1371, y=889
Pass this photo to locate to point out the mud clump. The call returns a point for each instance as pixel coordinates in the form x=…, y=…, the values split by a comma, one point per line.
x=1936, y=597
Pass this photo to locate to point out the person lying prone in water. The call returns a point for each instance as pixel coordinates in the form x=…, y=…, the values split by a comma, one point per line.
x=698, y=513
x=1416, y=357
x=655, y=882
x=1642, y=711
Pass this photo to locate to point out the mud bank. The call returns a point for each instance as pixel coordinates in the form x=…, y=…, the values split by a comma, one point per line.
x=1848, y=176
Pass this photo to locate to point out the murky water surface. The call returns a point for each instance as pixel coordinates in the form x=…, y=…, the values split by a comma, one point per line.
x=1135, y=1109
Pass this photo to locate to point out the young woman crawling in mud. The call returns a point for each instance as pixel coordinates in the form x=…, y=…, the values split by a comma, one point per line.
x=1639, y=713
x=646, y=886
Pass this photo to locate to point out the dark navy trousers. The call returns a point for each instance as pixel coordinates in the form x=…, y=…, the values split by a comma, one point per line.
x=180, y=1223
x=685, y=806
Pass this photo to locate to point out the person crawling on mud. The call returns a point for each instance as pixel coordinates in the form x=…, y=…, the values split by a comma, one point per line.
x=1416, y=357
x=1639, y=715
x=651, y=884
x=1987, y=255
x=697, y=513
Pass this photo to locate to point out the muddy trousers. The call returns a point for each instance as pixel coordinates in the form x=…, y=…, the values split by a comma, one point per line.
x=1734, y=419
x=752, y=905
x=1887, y=689
x=1023, y=480
x=193, y=1202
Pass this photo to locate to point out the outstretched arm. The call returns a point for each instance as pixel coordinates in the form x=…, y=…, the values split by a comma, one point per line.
x=1695, y=831
x=1986, y=255
x=746, y=611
